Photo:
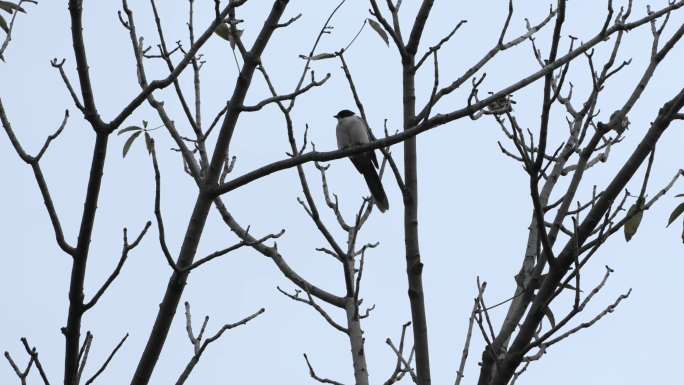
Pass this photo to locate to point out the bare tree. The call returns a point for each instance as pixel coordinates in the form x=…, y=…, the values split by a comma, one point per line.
x=547, y=274
x=542, y=276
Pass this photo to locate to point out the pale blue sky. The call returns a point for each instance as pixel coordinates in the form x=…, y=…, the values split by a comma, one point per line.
x=474, y=202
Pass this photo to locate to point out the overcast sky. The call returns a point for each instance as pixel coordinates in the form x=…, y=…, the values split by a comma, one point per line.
x=474, y=201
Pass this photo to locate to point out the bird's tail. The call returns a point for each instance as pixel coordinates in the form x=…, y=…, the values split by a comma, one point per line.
x=376, y=190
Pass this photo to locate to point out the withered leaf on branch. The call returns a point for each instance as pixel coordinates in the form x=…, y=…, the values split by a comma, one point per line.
x=549, y=314
x=224, y=30
x=149, y=142
x=378, y=28
x=635, y=213
x=320, y=56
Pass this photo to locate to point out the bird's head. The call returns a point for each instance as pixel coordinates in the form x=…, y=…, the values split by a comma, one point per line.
x=343, y=114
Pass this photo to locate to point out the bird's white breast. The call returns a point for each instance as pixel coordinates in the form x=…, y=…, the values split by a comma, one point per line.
x=351, y=131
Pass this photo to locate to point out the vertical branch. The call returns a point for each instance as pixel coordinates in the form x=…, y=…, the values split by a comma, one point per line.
x=90, y=113
x=548, y=80
x=414, y=265
x=72, y=332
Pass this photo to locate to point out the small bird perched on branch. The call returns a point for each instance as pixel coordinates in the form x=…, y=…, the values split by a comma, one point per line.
x=352, y=131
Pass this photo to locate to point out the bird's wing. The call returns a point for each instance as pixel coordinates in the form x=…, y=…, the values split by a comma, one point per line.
x=340, y=131
x=357, y=130
x=352, y=131
x=365, y=139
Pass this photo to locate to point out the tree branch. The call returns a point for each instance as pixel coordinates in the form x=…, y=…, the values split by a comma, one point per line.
x=109, y=358
x=124, y=255
x=33, y=161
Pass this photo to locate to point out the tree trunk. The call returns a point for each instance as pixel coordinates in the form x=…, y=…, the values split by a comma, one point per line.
x=356, y=341
x=72, y=332
x=414, y=267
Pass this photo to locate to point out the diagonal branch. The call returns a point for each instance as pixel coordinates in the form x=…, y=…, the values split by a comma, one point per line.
x=60, y=67
x=310, y=301
x=124, y=255
x=34, y=356
x=418, y=27
x=274, y=254
x=439, y=45
x=22, y=374
x=404, y=361
x=290, y=96
x=399, y=369
x=466, y=345
x=313, y=374
x=395, y=33
x=40, y=179
x=234, y=247
x=109, y=359
x=196, y=341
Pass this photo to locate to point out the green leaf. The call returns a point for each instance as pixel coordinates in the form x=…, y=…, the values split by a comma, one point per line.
x=549, y=314
x=635, y=213
x=224, y=30
x=145, y=123
x=679, y=195
x=378, y=28
x=676, y=213
x=129, y=128
x=149, y=143
x=682, y=231
x=3, y=24
x=129, y=142
x=9, y=7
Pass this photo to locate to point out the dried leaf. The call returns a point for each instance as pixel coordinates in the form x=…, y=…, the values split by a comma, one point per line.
x=3, y=24
x=149, y=143
x=378, y=28
x=127, y=129
x=225, y=32
x=570, y=287
x=129, y=142
x=321, y=56
x=635, y=213
x=9, y=7
x=549, y=314
x=676, y=213
x=237, y=33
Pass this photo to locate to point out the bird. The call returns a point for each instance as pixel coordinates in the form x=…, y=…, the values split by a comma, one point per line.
x=352, y=131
